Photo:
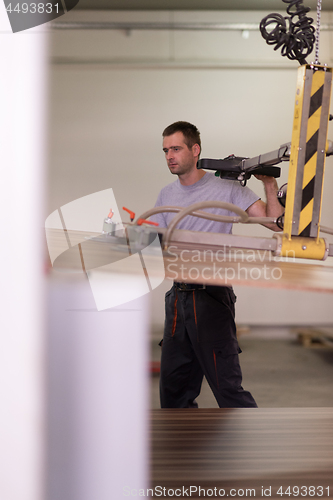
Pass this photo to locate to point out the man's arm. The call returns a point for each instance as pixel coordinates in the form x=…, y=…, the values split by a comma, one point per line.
x=272, y=207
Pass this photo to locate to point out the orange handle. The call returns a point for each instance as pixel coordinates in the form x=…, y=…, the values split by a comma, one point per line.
x=131, y=214
x=141, y=221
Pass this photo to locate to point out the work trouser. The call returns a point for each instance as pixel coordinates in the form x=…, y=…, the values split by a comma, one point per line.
x=200, y=339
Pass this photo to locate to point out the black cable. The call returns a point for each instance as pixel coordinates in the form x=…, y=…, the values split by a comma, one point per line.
x=296, y=39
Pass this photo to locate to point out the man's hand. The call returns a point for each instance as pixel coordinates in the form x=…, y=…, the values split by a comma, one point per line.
x=272, y=208
x=266, y=179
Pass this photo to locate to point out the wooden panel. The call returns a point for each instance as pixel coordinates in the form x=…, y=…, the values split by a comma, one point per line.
x=224, y=266
x=244, y=449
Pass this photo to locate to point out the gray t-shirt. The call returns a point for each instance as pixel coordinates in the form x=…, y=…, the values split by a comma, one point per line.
x=208, y=188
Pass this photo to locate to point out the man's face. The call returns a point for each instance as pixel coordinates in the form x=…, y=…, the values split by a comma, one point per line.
x=180, y=159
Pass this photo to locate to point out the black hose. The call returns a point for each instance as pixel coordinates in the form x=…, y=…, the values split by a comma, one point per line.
x=296, y=39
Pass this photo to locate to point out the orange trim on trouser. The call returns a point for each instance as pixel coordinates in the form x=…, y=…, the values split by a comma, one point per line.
x=174, y=316
x=217, y=380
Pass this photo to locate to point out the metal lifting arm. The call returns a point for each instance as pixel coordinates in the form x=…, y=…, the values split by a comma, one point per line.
x=240, y=168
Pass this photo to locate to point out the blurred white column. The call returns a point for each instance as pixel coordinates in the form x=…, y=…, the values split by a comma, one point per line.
x=22, y=138
x=99, y=393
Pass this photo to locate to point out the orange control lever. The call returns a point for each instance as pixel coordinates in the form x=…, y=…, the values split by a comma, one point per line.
x=141, y=221
x=131, y=214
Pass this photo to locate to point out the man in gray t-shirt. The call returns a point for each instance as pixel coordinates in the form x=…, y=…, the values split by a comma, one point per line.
x=200, y=332
x=209, y=187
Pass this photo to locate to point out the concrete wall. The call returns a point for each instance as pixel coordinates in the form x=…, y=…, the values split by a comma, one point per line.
x=113, y=92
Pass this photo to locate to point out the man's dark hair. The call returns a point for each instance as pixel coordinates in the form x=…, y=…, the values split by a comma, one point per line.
x=190, y=132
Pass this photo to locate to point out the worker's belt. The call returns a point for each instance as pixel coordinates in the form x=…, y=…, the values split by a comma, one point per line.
x=188, y=287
